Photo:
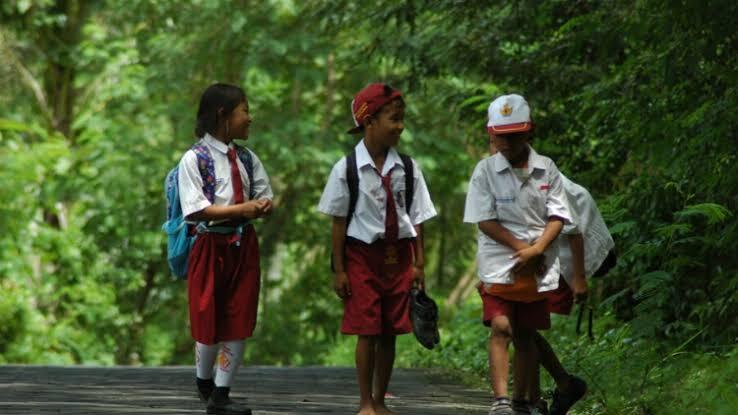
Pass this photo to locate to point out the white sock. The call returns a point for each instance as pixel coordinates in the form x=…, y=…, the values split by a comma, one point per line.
x=205, y=355
x=229, y=359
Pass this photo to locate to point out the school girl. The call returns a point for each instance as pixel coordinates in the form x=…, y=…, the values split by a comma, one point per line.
x=219, y=195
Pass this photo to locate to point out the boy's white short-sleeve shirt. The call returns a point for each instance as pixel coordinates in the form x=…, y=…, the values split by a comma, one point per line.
x=367, y=224
x=589, y=222
x=190, y=182
x=523, y=208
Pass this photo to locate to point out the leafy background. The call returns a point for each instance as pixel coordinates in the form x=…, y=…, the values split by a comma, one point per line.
x=636, y=100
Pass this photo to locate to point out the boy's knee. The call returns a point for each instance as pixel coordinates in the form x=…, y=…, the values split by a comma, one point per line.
x=501, y=328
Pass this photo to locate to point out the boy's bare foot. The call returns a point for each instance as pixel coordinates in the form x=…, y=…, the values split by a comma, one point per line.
x=366, y=409
x=381, y=409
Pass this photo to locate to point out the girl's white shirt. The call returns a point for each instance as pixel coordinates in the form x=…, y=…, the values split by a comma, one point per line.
x=191, y=195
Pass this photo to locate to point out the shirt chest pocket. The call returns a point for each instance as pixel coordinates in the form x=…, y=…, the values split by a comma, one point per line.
x=537, y=194
x=371, y=189
x=506, y=206
x=398, y=190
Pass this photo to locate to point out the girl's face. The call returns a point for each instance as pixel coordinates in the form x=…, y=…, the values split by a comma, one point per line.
x=387, y=125
x=239, y=121
x=512, y=146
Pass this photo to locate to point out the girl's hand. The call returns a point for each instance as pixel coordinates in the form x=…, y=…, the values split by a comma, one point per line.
x=252, y=209
x=341, y=285
x=266, y=206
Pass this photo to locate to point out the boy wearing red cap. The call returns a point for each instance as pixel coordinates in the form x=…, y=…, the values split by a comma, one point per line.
x=377, y=238
x=517, y=199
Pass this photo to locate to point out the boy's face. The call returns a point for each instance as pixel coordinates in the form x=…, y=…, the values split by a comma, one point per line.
x=492, y=148
x=387, y=124
x=512, y=146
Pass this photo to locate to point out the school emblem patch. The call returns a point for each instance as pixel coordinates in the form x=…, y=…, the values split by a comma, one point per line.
x=506, y=110
x=361, y=111
x=399, y=198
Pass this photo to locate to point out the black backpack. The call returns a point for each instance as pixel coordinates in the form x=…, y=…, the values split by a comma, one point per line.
x=352, y=179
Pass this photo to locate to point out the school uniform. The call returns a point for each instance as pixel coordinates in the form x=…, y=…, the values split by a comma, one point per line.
x=223, y=278
x=379, y=240
x=522, y=202
x=598, y=243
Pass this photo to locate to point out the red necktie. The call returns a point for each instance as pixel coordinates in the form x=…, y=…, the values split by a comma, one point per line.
x=391, y=228
x=235, y=176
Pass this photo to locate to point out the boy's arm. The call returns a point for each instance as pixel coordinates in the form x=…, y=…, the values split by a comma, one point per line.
x=338, y=240
x=579, y=282
x=419, y=264
x=500, y=234
x=550, y=232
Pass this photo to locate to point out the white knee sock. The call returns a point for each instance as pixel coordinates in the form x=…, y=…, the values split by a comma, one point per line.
x=229, y=359
x=205, y=355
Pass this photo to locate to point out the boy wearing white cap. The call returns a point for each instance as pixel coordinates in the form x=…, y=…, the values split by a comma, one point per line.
x=585, y=249
x=517, y=200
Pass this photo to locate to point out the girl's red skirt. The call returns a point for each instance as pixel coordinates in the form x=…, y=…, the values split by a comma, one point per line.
x=223, y=286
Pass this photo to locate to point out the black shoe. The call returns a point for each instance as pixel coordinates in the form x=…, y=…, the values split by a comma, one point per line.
x=204, y=388
x=220, y=404
x=424, y=317
x=520, y=407
x=563, y=401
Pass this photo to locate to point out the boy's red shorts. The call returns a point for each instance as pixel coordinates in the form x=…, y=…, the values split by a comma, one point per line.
x=561, y=300
x=380, y=277
x=532, y=316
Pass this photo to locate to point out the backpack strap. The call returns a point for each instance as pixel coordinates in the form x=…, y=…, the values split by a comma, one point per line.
x=248, y=162
x=207, y=169
x=407, y=163
x=352, y=179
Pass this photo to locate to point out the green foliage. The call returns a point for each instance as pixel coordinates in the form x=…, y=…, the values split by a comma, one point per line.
x=634, y=100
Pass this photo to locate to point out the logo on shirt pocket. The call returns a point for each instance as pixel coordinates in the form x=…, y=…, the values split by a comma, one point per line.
x=219, y=181
x=544, y=187
x=400, y=198
x=505, y=199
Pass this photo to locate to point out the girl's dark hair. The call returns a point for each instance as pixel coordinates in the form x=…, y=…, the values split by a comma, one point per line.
x=215, y=97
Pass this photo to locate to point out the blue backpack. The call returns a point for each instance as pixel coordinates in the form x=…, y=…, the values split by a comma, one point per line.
x=179, y=239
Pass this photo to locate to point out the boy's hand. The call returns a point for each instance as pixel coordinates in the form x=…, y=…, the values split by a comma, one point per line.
x=535, y=267
x=524, y=256
x=341, y=285
x=419, y=277
x=580, y=289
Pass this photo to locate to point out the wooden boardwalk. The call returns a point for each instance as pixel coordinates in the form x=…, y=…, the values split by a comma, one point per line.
x=82, y=390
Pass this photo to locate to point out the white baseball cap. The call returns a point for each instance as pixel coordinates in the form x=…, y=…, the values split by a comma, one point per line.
x=509, y=114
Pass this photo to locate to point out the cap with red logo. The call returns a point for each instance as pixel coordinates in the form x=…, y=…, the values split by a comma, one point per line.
x=509, y=114
x=368, y=101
